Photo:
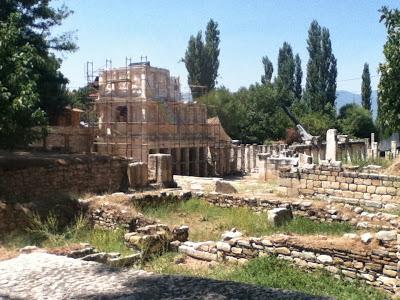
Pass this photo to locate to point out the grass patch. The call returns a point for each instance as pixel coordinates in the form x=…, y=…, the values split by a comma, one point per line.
x=48, y=233
x=274, y=273
x=207, y=222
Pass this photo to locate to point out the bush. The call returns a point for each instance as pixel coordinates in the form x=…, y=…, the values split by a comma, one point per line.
x=355, y=121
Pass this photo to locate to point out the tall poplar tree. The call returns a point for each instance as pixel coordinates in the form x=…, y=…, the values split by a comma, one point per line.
x=298, y=75
x=202, y=59
x=212, y=53
x=268, y=70
x=366, y=88
x=321, y=69
x=285, y=78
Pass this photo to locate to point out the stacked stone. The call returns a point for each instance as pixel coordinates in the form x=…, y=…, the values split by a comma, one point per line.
x=42, y=179
x=376, y=266
x=108, y=218
x=370, y=190
x=155, y=239
x=141, y=200
x=314, y=210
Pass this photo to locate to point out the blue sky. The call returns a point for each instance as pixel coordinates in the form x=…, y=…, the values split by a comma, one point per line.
x=249, y=29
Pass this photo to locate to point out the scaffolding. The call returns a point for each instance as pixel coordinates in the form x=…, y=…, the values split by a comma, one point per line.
x=139, y=112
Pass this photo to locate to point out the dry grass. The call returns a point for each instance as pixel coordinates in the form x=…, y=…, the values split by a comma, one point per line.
x=7, y=253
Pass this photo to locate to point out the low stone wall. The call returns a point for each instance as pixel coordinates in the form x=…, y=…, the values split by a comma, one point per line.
x=43, y=177
x=375, y=263
x=314, y=210
x=68, y=139
x=355, y=188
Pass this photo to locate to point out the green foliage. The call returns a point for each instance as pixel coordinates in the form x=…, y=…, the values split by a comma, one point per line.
x=49, y=232
x=251, y=115
x=19, y=97
x=30, y=81
x=272, y=272
x=355, y=121
x=201, y=59
x=321, y=69
x=268, y=70
x=276, y=273
x=298, y=76
x=366, y=88
x=389, y=84
x=243, y=219
x=285, y=79
x=317, y=123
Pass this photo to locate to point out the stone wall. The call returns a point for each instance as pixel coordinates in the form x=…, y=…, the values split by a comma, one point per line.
x=371, y=190
x=375, y=263
x=45, y=177
x=314, y=210
x=68, y=139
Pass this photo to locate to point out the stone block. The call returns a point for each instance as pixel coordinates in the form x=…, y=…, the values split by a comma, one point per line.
x=160, y=169
x=225, y=187
x=381, y=190
x=279, y=216
x=137, y=175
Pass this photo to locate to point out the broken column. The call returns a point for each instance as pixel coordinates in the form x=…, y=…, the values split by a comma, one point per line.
x=374, y=149
x=242, y=158
x=186, y=161
x=247, y=159
x=393, y=149
x=138, y=175
x=160, y=169
x=196, y=162
x=331, y=144
x=254, y=156
x=234, y=153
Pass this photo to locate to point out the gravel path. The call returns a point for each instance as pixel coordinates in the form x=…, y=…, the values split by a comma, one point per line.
x=47, y=276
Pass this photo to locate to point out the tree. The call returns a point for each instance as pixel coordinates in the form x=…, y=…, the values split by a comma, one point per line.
x=366, y=88
x=37, y=21
x=19, y=96
x=355, y=121
x=194, y=62
x=389, y=87
x=298, y=75
x=320, y=89
x=286, y=66
x=201, y=60
x=212, y=53
x=268, y=70
x=285, y=79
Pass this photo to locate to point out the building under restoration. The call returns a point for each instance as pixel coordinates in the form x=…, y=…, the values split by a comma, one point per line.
x=140, y=112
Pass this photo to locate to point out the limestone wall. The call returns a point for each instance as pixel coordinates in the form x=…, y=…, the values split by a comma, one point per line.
x=312, y=209
x=371, y=190
x=28, y=178
x=67, y=139
x=376, y=263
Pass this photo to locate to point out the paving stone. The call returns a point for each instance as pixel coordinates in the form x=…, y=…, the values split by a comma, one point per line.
x=45, y=276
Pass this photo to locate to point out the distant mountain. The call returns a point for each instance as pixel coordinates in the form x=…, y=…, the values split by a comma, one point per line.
x=345, y=97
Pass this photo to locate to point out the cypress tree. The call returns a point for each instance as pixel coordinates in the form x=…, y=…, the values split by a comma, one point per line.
x=298, y=75
x=366, y=88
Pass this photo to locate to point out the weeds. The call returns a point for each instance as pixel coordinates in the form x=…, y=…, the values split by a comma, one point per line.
x=48, y=232
x=273, y=273
x=207, y=222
